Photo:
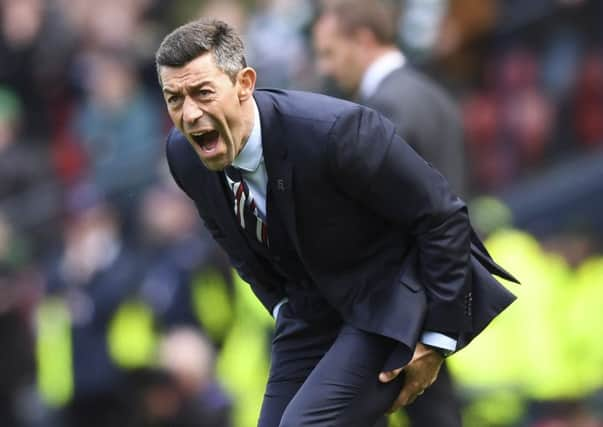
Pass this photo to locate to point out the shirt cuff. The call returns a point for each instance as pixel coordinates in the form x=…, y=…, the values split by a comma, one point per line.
x=438, y=340
x=277, y=307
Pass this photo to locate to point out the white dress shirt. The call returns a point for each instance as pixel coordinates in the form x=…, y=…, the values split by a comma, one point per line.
x=251, y=162
x=378, y=71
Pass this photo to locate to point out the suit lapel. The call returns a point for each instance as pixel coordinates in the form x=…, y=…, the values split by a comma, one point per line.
x=279, y=199
x=221, y=208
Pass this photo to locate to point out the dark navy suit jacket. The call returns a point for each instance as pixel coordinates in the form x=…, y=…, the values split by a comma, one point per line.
x=377, y=230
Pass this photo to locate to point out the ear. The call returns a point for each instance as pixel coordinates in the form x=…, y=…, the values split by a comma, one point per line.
x=246, y=83
x=365, y=37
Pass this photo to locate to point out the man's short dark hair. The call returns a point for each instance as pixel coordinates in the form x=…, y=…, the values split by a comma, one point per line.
x=377, y=16
x=196, y=38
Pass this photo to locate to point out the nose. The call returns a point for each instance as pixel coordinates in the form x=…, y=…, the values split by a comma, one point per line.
x=190, y=111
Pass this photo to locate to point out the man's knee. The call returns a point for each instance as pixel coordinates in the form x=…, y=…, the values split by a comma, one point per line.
x=288, y=422
x=294, y=418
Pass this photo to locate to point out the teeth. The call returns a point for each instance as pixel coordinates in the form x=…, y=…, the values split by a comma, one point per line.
x=201, y=133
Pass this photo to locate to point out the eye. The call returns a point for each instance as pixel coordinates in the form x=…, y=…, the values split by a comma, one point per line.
x=173, y=99
x=204, y=93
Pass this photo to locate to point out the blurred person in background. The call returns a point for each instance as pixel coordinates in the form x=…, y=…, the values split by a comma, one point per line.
x=111, y=31
x=21, y=165
x=181, y=264
x=187, y=281
x=179, y=389
x=274, y=31
x=35, y=49
x=19, y=289
x=88, y=278
x=112, y=24
x=355, y=43
x=29, y=195
x=119, y=127
x=343, y=161
x=276, y=46
x=194, y=399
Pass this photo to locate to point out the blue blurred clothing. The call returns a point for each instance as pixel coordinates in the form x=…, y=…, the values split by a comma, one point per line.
x=169, y=271
x=92, y=305
x=123, y=144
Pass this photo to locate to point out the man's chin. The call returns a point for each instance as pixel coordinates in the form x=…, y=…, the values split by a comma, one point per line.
x=214, y=164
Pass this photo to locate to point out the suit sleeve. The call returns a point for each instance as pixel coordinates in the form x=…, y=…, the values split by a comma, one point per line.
x=431, y=126
x=371, y=163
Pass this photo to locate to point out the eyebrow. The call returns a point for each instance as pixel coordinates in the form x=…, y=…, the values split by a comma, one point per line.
x=192, y=86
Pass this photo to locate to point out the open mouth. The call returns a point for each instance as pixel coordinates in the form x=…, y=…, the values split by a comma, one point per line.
x=206, y=140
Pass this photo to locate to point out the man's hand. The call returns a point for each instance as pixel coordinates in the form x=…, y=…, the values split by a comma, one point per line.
x=420, y=373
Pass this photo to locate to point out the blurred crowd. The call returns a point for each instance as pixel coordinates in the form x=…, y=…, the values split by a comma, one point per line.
x=117, y=309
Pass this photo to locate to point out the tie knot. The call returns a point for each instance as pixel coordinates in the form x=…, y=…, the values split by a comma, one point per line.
x=233, y=173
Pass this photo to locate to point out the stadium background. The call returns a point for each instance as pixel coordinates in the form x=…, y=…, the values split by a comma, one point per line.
x=116, y=308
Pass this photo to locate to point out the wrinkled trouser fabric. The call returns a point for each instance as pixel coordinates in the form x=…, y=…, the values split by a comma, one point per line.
x=325, y=373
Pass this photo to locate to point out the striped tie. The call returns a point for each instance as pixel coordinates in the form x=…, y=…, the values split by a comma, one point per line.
x=245, y=208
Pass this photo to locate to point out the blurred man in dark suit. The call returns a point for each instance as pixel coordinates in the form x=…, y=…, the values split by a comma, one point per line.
x=355, y=43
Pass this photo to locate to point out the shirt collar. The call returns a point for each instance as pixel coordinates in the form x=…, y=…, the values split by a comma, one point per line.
x=251, y=155
x=379, y=70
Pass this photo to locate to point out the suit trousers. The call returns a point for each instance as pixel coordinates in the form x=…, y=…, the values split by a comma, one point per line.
x=325, y=373
x=439, y=406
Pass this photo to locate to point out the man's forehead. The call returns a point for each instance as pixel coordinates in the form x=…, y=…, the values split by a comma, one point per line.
x=329, y=22
x=202, y=68
x=328, y=30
